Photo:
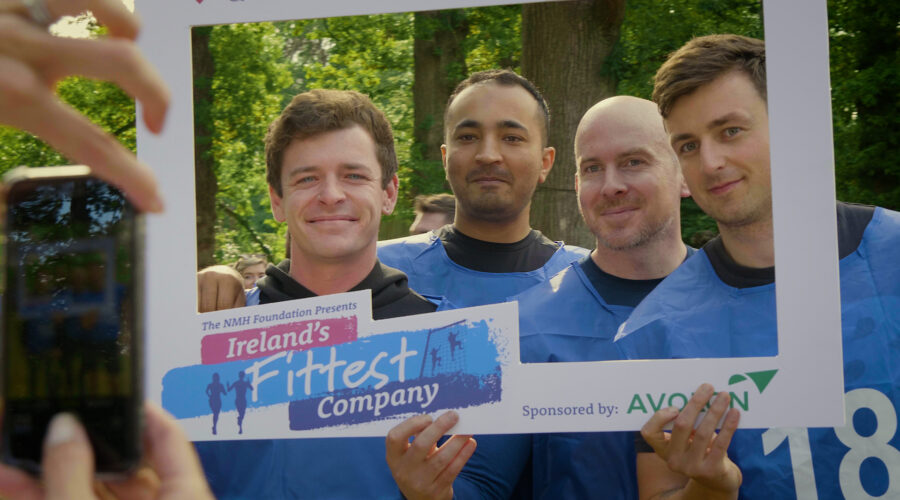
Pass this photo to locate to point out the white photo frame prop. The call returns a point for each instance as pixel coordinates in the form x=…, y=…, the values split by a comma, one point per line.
x=807, y=368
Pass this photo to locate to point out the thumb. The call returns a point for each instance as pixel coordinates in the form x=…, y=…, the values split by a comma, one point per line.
x=68, y=464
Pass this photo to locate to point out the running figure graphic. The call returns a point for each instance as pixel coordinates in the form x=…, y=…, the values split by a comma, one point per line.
x=214, y=391
x=240, y=387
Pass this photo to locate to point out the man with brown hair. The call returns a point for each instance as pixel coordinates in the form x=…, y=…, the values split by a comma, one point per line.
x=712, y=95
x=432, y=212
x=331, y=170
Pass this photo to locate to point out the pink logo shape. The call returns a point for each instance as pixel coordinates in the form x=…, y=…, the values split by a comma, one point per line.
x=262, y=342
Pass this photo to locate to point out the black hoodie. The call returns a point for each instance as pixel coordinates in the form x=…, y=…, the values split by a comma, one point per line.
x=391, y=296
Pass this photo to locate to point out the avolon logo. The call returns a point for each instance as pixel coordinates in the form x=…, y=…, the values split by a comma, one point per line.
x=760, y=379
x=649, y=402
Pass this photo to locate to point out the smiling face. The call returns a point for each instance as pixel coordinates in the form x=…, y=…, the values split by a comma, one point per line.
x=494, y=154
x=333, y=197
x=628, y=181
x=721, y=135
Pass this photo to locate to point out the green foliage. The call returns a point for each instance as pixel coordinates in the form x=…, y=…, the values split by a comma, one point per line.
x=259, y=67
x=865, y=71
x=495, y=39
x=251, y=74
x=651, y=30
x=373, y=55
x=103, y=103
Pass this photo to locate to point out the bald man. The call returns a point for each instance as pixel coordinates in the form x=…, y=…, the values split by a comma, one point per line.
x=629, y=187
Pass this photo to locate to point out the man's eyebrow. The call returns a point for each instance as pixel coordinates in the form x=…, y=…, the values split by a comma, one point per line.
x=471, y=123
x=680, y=137
x=640, y=150
x=733, y=116
x=355, y=167
x=303, y=169
x=467, y=123
x=511, y=124
x=718, y=122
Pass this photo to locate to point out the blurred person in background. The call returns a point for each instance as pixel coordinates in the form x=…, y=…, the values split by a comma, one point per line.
x=251, y=267
x=432, y=212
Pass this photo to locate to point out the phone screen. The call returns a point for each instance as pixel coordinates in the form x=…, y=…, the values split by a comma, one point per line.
x=71, y=328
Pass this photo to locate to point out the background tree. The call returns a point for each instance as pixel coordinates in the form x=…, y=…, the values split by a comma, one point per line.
x=439, y=63
x=240, y=79
x=564, y=48
x=246, y=73
x=203, y=69
x=865, y=71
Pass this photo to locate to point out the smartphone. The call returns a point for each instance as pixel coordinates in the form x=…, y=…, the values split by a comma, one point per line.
x=72, y=315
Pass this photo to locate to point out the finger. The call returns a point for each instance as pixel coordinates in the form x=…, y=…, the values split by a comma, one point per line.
x=457, y=456
x=114, y=15
x=424, y=443
x=143, y=484
x=440, y=457
x=111, y=13
x=207, y=291
x=172, y=456
x=719, y=448
x=397, y=441
x=68, y=465
x=115, y=60
x=228, y=292
x=683, y=427
x=15, y=483
x=39, y=112
x=240, y=300
x=706, y=431
x=653, y=431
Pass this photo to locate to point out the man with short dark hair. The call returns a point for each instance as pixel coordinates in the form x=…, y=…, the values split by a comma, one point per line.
x=495, y=154
x=331, y=169
x=711, y=93
x=432, y=212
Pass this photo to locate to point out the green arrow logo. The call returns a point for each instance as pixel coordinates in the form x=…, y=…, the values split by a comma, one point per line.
x=760, y=379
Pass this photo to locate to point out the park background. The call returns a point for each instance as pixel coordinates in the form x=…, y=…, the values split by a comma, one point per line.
x=577, y=52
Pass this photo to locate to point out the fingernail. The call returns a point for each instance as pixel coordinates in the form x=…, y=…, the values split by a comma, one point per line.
x=64, y=428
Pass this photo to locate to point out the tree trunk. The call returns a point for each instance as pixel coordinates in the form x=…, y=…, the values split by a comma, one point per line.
x=204, y=174
x=564, y=47
x=439, y=65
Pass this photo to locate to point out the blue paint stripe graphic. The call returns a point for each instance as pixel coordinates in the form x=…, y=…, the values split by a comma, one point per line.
x=422, y=395
x=370, y=365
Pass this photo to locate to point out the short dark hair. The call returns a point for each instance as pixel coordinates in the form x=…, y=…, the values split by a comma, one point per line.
x=702, y=60
x=441, y=203
x=324, y=110
x=508, y=78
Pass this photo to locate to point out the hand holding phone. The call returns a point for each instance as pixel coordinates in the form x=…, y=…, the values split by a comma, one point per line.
x=171, y=469
x=71, y=322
